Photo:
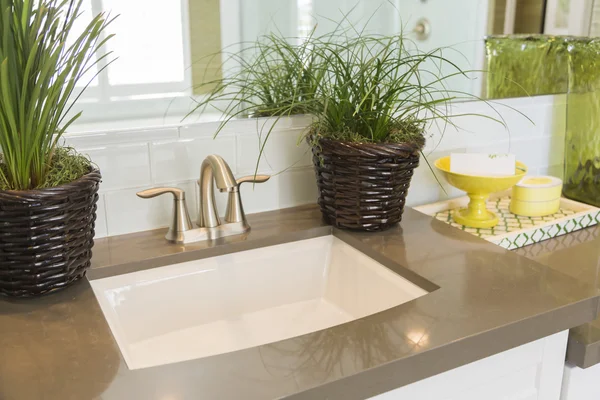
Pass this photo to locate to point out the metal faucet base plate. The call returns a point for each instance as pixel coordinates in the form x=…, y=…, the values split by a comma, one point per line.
x=202, y=234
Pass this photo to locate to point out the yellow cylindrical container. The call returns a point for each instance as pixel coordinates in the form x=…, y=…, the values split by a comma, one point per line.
x=536, y=196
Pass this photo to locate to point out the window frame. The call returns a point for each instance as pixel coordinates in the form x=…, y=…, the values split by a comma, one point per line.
x=104, y=101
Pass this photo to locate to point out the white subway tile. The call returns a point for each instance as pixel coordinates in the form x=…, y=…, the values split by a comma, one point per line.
x=421, y=194
x=205, y=130
x=95, y=139
x=127, y=213
x=101, y=228
x=554, y=121
x=261, y=197
x=122, y=166
x=539, y=152
x=181, y=159
x=275, y=124
x=496, y=148
x=245, y=126
x=283, y=150
x=297, y=187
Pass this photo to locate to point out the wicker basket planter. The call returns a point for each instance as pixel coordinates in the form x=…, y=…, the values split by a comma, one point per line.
x=363, y=186
x=46, y=236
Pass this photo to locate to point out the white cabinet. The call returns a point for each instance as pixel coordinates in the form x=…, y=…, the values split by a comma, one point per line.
x=581, y=384
x=533, y=371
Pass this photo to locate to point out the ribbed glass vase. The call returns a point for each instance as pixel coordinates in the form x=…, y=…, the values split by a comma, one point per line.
x=526, y=65
x=582, y=146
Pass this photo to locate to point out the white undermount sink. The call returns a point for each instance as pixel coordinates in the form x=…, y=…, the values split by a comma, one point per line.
x=241, y=300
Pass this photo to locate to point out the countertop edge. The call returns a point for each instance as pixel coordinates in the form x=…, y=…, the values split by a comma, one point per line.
x=454, y=355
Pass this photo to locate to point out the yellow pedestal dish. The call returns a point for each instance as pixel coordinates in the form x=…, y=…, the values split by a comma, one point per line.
x=478, y=188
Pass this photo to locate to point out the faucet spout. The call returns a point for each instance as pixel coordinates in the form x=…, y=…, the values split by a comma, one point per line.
x=220, y=170
x=213, y=168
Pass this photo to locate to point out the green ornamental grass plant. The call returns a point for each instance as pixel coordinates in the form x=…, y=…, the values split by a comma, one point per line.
x=41, y=61
x=358, y=86
x=377, y=91
x=274, y=76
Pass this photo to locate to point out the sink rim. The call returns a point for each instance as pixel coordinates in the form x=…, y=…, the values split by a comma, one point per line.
x=217, y=248
x=124, y=345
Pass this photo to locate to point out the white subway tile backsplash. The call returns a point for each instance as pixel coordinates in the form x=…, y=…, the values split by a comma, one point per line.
x=181, y=159
x=283, y=150
x=127, y=213
x=262, y=196
x=503, y=147
x=297, y=187
x=423, y=194
x=122, y=166
x=98, y=139
x=132, y=160
x=247, y=126
x=206, y=130
x=554, y=119
x=539, y=152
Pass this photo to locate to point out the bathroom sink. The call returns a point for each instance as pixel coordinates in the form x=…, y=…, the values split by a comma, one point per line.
x=241, y=300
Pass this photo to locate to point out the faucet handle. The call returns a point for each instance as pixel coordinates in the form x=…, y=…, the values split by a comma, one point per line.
x=235, y=210
x=154, y=192
x=181, y=217
x=253, y=179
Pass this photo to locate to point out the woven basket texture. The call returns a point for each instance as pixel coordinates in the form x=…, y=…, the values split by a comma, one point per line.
x=363, y=186
x=46, y=236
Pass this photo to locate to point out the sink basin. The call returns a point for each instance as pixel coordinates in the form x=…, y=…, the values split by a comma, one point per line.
x=241, y=300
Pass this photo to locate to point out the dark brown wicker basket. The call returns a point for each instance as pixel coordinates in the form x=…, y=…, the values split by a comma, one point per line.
x=363, y=186
x=46, y=236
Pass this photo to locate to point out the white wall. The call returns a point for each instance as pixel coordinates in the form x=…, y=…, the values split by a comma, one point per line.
x=170, y=155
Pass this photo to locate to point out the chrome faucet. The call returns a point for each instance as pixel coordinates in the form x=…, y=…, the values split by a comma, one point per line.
x=214, y=170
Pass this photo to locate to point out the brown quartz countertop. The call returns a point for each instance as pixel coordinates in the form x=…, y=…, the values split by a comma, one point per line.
x=483, y=300
x=578, y=255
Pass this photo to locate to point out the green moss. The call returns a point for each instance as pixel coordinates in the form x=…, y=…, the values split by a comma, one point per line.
x=401, y=131
x=66, y=166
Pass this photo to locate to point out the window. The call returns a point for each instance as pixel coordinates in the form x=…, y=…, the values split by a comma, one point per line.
x=152, y=55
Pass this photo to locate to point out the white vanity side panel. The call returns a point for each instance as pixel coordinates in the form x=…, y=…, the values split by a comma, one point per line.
x=581, y=384
x=532, y=371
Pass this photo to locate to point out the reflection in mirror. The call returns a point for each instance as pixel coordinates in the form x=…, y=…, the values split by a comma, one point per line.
x=532, y=42
x=165, y=49
x=513, y=30
x=430, y=24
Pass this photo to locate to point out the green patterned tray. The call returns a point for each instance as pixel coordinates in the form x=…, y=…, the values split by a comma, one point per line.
x=514, y=231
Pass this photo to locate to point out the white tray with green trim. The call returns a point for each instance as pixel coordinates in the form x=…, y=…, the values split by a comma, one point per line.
x=515, y=231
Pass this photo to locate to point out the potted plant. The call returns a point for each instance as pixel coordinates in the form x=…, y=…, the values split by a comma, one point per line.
x=372, y=101
x=369, y=134
x=48, y=193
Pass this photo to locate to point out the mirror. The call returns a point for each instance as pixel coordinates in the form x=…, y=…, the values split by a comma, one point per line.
x=163, y=49
x=519, y=61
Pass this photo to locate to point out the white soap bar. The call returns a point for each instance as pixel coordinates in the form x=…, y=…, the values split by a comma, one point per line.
x=480, y=164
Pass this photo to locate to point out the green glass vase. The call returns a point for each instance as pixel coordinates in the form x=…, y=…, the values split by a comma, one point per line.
x=582, y=141
x=526, y=65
